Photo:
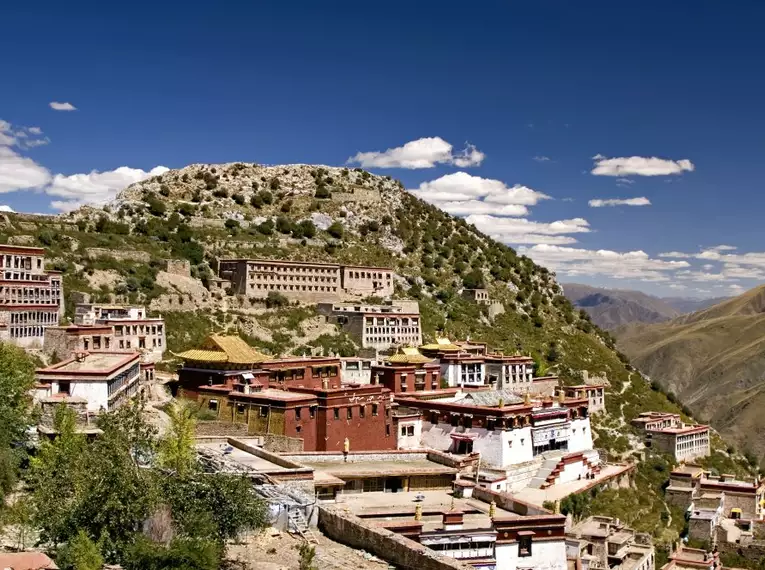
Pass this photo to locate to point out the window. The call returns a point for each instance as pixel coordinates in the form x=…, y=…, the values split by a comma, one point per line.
x=337, y=413
x=410, y=430
x=524, y=546
x=349, y=411
x=362, y=411
x=312, y=412
x=240, y=408
x=297, y=413
x=387, y=430
x=403, y=431
x=212, y=405
x=374, y=409
x=455, y=419
x=387, y=412
x=63, y=388
x=263, y=411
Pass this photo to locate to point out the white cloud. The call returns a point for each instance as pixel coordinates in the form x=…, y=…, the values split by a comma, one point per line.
x=625, y=181
x=7, y=209
x=620, y=265
x=542, y=158
x=56, y=106
x=676, y=254
x=677, y=286
x=95, y=187
x=19, y=172
x=421, y=153
x=461, y=186
x=736, y=289
x=642, y=201
x=639, y=166
x=707, y=267
x=469, y=207
x=521, y=230
x=21, y=137
x=35, y=130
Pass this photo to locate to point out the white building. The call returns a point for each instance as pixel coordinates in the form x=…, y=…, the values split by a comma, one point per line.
x=31, y=298
x=104, y=379
x=377, y=327
x=133, y=329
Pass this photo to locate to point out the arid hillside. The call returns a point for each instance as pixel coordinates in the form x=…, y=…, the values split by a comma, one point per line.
x=713, y=360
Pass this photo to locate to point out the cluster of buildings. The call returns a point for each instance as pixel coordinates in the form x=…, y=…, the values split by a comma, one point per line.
x=719, y=508
x=667, y=433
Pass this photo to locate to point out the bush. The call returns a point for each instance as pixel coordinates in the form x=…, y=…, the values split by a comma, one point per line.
x=275, y=184
x=336, y=230
x=156, y=206
x=220, y=193
x=231, y=224
x=266, y=196
x=239, y=199
x=307, y=229
x=266, y=228
x=164, y=189
x=322, y=192
x=256, y=201
x=283, y=225
x=276, y=299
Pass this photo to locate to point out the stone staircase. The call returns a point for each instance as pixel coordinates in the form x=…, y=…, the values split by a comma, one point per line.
x=553, y=466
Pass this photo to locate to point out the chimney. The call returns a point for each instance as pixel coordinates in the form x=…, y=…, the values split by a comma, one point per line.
x=453, y=520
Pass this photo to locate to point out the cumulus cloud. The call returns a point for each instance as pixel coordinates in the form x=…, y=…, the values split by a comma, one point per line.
x=468, y=207
x=642, y=201
x=4, y=208
x=676, y=254
x=639, y=166
x=523, y=231
x=19, y=172
x=21, y=137
x=57, y=106
x=461, y=186
x=421, y=153
x=95, y=187
x=620, y=265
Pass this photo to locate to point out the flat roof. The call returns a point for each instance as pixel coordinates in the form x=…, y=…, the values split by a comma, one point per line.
x=381, y=468
x=242, y=457
x=93, y=362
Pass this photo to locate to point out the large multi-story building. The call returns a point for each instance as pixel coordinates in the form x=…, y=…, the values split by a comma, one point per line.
x=667, y=433
x=133, y=328
x=31, y=298
x=377, y=327
x=105, y=380
x=295, y=398
x=408, y=371
x=305, y=281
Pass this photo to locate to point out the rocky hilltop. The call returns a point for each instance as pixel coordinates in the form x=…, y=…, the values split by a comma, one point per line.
x=714, y=361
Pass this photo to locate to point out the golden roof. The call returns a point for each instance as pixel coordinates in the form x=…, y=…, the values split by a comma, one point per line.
x=224, y=348
x=409, y=355
x=441, y=344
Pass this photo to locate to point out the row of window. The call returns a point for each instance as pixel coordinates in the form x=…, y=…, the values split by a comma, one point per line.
x=308, y=279
x=387, y=340
x=394, y=328
x=26, y=332
x=119, y=330
x=34, y=318
x=365, y=275
x=19, y=262
x=294, y=269
x=270, y=287
x=124, y=377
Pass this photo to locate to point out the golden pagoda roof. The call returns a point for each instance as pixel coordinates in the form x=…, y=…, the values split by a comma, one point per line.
x=224, y=348
x=409, y=355
x=441, y=344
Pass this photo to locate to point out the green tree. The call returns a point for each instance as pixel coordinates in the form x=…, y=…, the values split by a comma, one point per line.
x=231, y=224
x=307, y=556
x=17, y=377
x=322, y=192
x=80, y=553
x=283, y=225
x=307, y=229
x=336, y=230
x=176, y=448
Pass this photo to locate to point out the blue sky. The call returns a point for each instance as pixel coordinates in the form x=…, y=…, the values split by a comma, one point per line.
x=285, y=82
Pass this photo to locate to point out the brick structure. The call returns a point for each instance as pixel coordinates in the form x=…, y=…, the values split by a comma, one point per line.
x=31, y=298
x=605, y=542
x=378, y=327
x=133, y=328
x=105, y=380
x=64, y=342
x=291, y=397
x=480, y=296
x=305, y=281
x=408, y=371
x=667, y=433
x=595, y=394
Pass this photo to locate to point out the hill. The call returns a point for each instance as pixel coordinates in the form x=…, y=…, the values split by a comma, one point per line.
x=202, y=213
x=714, y=361
x=611, y=308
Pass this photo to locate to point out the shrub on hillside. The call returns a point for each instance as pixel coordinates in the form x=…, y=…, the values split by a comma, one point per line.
x=336, y=230
x=275, y=299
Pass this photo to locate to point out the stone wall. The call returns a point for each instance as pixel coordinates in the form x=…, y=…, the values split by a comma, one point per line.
x=214, y=428
x=178, y=267
x=281, y=443
x=731, y=553
x=509, y=503
x=122, y=255
x=396, y=549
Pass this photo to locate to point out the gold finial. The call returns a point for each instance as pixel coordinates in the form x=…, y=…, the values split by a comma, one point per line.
x=418, y=512
x=492, y=509
x=527, y=398
x=501, y=403
x=561, y=396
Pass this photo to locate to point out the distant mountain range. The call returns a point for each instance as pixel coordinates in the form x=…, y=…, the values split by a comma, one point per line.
x=714, y=360
x=612, y=308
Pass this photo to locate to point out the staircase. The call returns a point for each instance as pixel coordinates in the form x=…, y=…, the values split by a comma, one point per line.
x=549, y=468
x=553, y=466
x=299, y=525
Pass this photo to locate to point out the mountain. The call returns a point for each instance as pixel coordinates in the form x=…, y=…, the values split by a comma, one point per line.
x=205, y=212
x=685, y=305
x=611, y=308
x=713, y=360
